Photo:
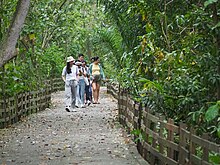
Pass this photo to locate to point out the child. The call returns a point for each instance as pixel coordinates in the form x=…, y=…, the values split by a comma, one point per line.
x=88, y=90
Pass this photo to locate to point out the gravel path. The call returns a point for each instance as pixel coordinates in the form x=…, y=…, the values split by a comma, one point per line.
x=89, y=136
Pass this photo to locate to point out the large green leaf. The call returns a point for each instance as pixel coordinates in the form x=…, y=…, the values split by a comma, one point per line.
x=215, y=159
x=209, y=2
x=216, y=26
x=218, y=131
x=212, y=112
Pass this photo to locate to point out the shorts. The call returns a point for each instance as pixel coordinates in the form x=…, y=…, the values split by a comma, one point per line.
x=97, y=78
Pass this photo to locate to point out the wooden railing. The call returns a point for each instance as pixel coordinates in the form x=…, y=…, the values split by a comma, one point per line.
x=162, y=142
x=13, y=109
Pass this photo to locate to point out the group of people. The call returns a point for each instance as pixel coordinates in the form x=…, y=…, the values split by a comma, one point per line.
x=82, y=82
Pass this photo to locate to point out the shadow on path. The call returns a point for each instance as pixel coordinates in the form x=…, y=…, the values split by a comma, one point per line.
x=89, y=136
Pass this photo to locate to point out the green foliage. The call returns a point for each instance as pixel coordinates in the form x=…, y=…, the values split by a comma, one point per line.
x=164, y=52
x=212, y=115
x=54, y=29
x=215, y=159
x=139, y=135
x=209, y=2
x=6, y=14
x=207, y=120
x=107, y=44
x=170, y=46
x=212, y=112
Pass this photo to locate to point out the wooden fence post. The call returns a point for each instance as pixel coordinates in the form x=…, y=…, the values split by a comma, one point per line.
x=126, y=112
x=16, y=108
x=161, y=131
x=140, y=118
x=205, y=155
x=144, y=128
x=192, y=149
x=119, y=104
x=170, y=137
x=123, y=109
x=52, y=87
x=4, y=97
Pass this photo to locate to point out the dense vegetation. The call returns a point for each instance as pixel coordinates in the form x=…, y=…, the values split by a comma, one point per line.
x=165, y=52
x=170, y=56
x=53, y=30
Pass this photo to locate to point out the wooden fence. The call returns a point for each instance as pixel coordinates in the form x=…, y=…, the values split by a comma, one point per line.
x=13, y=109
x=162, y=142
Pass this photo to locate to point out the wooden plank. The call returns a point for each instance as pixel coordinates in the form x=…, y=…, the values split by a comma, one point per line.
x=184, y=155
x=195, y=160
x=2, y=120
x=131, y=101
x=169, y=144
x=33, y=92
x=158, y=155
x=11, y=99
x=131, y=115
x=183, y=152
x=206, y=163
x=143, y=127
x=124, y=98
x=170, y=126
x=152, y=133
x=136, y=106
x=161, y=134
x=136, y=119
x=153, y=118
x=144, y=113
x=8, y=109
x=123, y=107
x=205, y=155
x=205, y=143
x=165, y=142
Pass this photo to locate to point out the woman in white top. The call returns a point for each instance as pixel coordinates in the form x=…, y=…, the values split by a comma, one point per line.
x=70, y=75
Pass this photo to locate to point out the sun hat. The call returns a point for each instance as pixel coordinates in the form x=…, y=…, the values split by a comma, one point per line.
x=69, y=59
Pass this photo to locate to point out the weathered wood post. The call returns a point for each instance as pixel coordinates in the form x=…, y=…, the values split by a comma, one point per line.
x=170, y=137
x=4, y=123
x=138, y=114
x=205, y=155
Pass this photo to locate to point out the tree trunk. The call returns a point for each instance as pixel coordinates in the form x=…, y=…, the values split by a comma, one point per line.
x=7, y=46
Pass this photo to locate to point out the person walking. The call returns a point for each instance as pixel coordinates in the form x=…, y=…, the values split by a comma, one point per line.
x=81, y=85
x=70, y=75
x=97, y=75
x=88, y=87
x=88, y=90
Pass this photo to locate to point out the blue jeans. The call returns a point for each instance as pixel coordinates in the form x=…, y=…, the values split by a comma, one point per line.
x=81, y=90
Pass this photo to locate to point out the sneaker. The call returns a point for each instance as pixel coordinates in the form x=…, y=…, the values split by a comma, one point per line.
x=67, y=109
x=73, y=110
x=82, y=106
x=89, y=102
x=76, y=106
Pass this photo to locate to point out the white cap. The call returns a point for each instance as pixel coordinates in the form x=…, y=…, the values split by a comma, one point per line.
x=69, y=59
x=78, y=63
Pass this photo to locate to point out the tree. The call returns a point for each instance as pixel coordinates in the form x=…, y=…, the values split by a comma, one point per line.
x=9, y=41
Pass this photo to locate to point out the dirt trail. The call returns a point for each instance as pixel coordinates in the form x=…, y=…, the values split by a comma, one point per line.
x=89, y=136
